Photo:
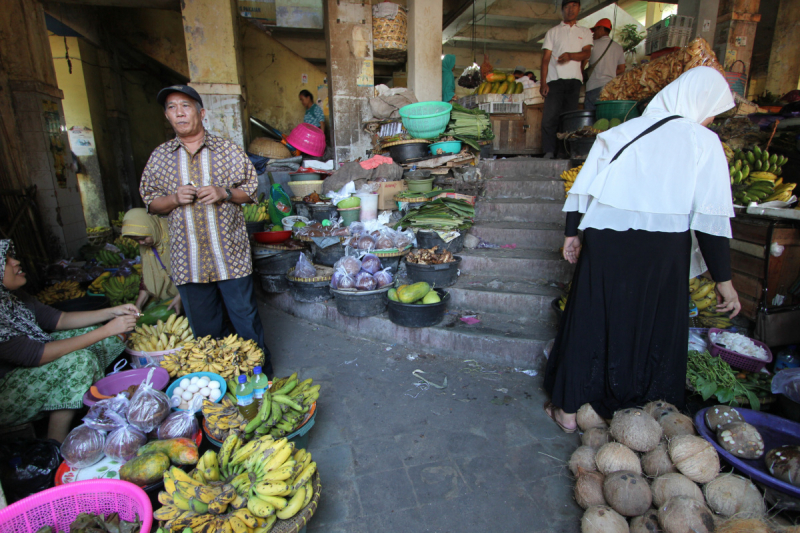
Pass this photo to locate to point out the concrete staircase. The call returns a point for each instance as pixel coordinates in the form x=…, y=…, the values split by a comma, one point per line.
x=510, y=290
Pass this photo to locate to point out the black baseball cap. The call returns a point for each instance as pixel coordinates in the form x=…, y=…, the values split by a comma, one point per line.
x=185, y=89
x=565, y=2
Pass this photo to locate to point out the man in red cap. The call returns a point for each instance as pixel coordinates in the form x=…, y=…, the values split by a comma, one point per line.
x=606, y=62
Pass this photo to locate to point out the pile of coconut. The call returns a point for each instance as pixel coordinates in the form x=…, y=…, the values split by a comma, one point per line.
x=649, y=472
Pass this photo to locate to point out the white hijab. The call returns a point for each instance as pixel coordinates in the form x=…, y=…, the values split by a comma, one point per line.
x=671, y=180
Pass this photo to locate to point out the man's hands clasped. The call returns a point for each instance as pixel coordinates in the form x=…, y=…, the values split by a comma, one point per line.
x=207, y=195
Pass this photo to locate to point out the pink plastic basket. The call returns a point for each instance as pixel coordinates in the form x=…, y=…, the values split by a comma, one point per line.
x=307, y=138
x=58, y=507
x=737, y=360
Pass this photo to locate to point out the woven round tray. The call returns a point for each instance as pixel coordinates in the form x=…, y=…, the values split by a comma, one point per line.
x=323, y=274
x=268, y=148
x=306, y=238
x=296, y=523
x=409, y=141
x=392, y=253
x=416, y=200
x=278, y=247
x=304, y=188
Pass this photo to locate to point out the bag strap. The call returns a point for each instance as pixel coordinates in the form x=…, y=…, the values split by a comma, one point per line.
x=651, y=129
x=591, y=68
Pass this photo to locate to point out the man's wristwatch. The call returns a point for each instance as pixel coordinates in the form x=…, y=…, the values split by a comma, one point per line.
x=229, y=193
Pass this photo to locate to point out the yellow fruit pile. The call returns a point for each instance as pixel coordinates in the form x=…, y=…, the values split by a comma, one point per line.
x=163, y=336
x=97, y=285
x=227, y=357
x=97, y=229
x=569, y=177
x=255, y=212
x=223, y=418
x=61, y=291
x=701, y=291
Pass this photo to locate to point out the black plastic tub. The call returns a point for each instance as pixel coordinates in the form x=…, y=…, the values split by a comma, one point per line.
x=391, y=262
x=274, y=283
x=254, y=227
x=404, y=152
x=444, y=275
x=310, y=291
x=361, y=303
x=580, y=147
x=419, y=316
x=320, y=212
x=326, y=256
x=276, y=264
x=84, y=303
x=575, y=120
x=429, y=239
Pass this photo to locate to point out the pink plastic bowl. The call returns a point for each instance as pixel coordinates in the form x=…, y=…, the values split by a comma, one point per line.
x=58, y=507
x=307, y=138
x=116, y=383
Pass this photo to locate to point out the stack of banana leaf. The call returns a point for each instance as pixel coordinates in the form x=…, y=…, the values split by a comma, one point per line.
x=444, y=214
x=469, y=126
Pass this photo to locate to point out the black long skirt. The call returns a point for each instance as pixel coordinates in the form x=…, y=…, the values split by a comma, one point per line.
x=622, y=340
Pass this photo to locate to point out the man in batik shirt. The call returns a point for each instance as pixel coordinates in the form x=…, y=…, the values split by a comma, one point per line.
x=200, y=181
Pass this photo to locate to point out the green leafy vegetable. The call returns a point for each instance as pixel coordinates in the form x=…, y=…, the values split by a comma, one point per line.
x=713, y=377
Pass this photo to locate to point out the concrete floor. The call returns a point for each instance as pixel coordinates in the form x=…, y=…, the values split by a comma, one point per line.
x=478, y=455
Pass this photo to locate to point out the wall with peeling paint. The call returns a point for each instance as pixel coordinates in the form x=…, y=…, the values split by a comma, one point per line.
x=784, y=60
x=274, y=80
x=155, y=32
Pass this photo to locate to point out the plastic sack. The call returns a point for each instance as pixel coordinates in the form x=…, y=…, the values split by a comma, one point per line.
x=697, y=341
x=304, y=269
x=403, y=239
x=149, y=406
x=123, y=443
x=383, y=278
x=365, y=281
x=787, y=382
x=371, y=263
x=356, y=228
x=101, y=414
x=470, y=77
x=280, y=205
x=27, y=466
x=182, y=424
x=342, y=280
x=365, y=243
x=83, y=446
x=349, y=263
x=343, y=193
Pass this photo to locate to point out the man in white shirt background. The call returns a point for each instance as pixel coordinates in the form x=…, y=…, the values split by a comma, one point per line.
x=565, y=48
x=606, y=62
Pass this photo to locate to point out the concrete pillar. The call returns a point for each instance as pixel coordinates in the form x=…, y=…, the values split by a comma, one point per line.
x=212, y=34
x=736, y=32
x=348, y=38
x=44, y=145
x=425, y=49
x=704, y=13
x=784, y=60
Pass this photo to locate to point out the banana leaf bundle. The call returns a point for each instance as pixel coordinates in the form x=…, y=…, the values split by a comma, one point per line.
x=469, y=126
x=444, y=214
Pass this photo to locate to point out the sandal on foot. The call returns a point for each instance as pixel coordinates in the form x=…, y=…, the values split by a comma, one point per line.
x=550, y=410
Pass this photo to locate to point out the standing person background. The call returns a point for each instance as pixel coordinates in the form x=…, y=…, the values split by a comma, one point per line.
x=152, y=235
x=565, y=47
x=200, y=181
x=314, y=114
x=448, y=80
x=622, y=340
x=606, y=62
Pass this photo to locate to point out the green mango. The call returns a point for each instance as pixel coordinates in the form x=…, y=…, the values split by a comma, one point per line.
x=151, y=315
x=431, y=298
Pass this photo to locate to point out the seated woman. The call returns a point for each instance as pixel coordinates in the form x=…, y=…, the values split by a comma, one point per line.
x=152, y=234
x=40, y=371
x=314, y=114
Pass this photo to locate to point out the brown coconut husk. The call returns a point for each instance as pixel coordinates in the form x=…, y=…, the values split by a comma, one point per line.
x=657, y=408
x=730, y=495
x=595, y=437
x=657, y=462
x=589, y=488
x=588, y=418
x=636, y=429
x=614, y=456
x=646, y=523
x=671, y=485
x=747, y=525
x=676, y=424
x=694, y=457
x=683, y=515
x=583, y=457
x=603, y=519
x=627, y=493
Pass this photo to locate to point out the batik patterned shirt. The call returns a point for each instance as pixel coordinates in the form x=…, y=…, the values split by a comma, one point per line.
x=207, y=242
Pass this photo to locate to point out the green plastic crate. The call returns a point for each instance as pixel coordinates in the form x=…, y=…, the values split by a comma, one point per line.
x=621, y=109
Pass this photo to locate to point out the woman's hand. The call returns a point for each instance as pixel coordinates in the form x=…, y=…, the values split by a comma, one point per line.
x=176, y=305
x=124, y=309
x=121, y=324
x=572, y=249
x=727, y=298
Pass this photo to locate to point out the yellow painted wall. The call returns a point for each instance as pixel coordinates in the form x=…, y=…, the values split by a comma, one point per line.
x=274, y=80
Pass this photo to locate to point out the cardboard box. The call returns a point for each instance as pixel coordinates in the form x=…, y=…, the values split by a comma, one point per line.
x=387, y=192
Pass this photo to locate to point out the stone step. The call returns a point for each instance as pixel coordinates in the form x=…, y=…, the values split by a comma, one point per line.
x=529, y=187
x=524, y=167
x=505, y=295
x=519, y=210
x=541, y=235
x=496, y=339
x=522, y=264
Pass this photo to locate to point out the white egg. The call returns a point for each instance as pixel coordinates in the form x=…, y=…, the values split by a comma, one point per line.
x=185, y=383
x=215, y=394
x=205, y=391
x=194, y=380
x=178, y=391
x=176, y=399
x=203, y=382
x=193, y=388
x=213, y=385
x=187, y=395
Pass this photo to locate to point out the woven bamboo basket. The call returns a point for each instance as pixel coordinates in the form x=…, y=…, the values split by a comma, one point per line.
x=390, y=36
x=268, y=148
x=323, y=274
x=304, y=188
x=296, y=523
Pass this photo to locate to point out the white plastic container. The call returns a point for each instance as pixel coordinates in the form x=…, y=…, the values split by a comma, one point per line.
x=369, y=206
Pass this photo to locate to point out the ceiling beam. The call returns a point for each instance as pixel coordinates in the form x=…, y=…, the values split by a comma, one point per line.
x=462, y=17
x=495, y=32
x=515, y=22
x=495, y=44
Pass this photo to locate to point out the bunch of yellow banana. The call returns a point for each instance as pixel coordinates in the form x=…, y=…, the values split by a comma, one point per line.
x=708, y=318
x=97, y=229
x=701, y=291
x=61, y=291
x=569, y=177
x=97, y=285
x=782, y=193
x=227, y=357
x=246, y=488
x=255, y=212
x=223, y=418
x=163, y=336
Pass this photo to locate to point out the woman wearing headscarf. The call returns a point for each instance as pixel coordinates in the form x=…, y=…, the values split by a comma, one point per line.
x=448, y=81
x=152, y=235
x=622, y=340
x=50, y=358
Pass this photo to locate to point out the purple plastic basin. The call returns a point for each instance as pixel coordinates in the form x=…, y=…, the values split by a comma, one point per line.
x=775, y=431
x=116, y=383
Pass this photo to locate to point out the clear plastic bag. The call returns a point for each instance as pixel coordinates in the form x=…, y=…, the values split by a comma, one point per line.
x=83, y=446
x=383, y=278
x=365, y=281
x=304, y=269
x=149, y=406
x=350, y=263
x=342, y=280
x=787, y=382
x=101, y=414
x=181, y=424
x=403, y=239
x=366, y=243
x=123, y=443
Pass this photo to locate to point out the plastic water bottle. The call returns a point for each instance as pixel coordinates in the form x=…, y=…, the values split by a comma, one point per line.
x=787, y=358
x=260, y=383
x=245, y=400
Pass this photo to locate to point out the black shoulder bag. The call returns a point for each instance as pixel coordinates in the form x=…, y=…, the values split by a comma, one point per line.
x=651, y=129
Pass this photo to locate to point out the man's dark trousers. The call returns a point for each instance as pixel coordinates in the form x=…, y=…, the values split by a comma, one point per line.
x=562, y=97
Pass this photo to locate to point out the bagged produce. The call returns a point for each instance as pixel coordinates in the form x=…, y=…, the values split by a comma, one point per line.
x=370, y=263
x=280, y=205
x=787, y=382
x=304, y=269
x=101, y=414
x=83, y=446
x=342, y=280
x=349, y=263
x=149, y=406
x=365, y=281
x=403, y=239
x=123, y=443
x=182, y=424
x=383, y=278
x=366, y=243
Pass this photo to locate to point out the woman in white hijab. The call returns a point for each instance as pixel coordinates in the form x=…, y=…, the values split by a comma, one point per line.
x=622, y=340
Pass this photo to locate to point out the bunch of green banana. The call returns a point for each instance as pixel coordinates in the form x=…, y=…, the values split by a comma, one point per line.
x=109, y=258
x=127, y=246
x=756, y=160
x=755, y=176
x=283, y=407
x=254, y=212
x=122, y=290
